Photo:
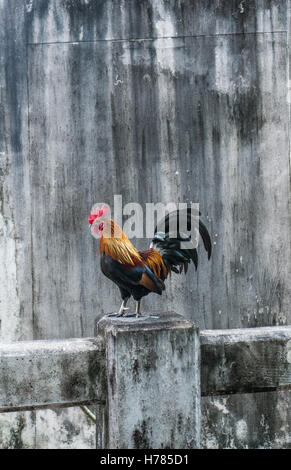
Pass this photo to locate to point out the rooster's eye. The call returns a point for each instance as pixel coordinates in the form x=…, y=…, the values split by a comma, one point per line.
x=101, y=226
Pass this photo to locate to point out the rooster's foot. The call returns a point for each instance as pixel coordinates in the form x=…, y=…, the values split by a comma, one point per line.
x=124, y=314
x=128, y=315
x=121, y=313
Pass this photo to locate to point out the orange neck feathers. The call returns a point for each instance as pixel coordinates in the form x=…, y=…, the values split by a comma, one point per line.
x=114, y=243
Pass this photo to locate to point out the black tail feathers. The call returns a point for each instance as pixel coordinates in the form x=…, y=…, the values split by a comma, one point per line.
x=174, y=239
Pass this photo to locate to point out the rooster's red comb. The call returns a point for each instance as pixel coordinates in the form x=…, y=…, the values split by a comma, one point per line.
x=96, y=213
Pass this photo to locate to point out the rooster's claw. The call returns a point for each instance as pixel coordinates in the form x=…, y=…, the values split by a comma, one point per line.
x=118, y=314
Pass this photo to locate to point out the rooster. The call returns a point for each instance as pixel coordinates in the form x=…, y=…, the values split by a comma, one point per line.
x=138, y=273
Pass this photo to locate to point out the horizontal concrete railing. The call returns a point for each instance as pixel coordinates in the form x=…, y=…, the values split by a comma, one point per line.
x=245, y=360
x=144, y=375
x=38, y=374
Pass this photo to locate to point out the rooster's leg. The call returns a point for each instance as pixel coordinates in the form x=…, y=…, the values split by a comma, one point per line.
x=137, y=310
x=122, y=308
x=121, y=311
x=135, y=314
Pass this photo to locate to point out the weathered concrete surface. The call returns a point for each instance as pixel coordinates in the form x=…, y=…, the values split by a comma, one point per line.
x=245, y=360
x=247, y=421
x=60, y=428
x=153, y=382
x=59, y=216
x=198, y=106
x=15, y=235
x=43, y=373
x=66, y=372
x=81, y=20
x=213, y=130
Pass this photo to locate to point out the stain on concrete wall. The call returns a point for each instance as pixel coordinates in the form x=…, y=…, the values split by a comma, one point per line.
x=247, y=421
x=151, y=100
x=9, y=323
x=68, y=428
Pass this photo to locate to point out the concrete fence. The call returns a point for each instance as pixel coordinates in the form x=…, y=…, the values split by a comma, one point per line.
x=145, y=377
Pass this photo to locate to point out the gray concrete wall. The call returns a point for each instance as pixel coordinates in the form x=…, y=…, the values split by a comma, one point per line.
x=147, y=99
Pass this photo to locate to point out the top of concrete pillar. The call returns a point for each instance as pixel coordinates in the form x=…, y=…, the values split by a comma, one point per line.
x=158, y=321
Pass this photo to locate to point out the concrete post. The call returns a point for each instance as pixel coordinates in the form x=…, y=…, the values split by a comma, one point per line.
x=153, y=383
